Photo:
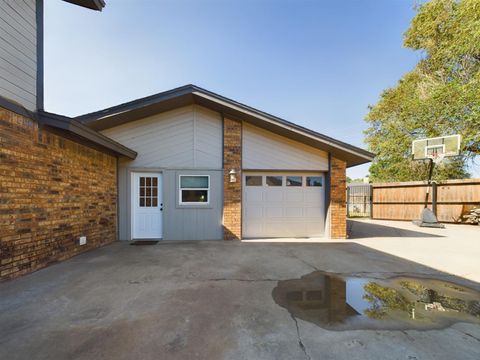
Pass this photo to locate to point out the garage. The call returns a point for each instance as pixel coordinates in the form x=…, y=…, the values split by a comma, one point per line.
x=277, y=204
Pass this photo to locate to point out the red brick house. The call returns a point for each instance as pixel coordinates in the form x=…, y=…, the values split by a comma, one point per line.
x=185, y=164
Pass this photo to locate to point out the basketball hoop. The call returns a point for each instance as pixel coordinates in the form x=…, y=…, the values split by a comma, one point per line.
x=435, y=150
x=437, y=158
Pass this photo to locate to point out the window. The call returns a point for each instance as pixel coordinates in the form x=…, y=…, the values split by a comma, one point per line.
x=274, y=180
x=148, y=194
x=194, y=189
x=294, y=181
x=253, y=180
x=314, y=181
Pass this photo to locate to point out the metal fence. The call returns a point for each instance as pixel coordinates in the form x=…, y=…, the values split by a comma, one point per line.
x=359, y=200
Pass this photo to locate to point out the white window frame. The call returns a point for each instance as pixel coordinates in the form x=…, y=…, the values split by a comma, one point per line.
x=180, y=202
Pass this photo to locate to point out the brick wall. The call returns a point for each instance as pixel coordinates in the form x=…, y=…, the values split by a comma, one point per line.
x=52, y=191
x=338, y=209
x=232, y=197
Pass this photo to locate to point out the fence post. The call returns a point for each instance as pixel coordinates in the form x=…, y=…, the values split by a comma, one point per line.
x=348, y=201
x=371, y=201
x=434, y=197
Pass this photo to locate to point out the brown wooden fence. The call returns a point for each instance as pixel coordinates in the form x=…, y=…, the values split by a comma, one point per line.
x=405, y=200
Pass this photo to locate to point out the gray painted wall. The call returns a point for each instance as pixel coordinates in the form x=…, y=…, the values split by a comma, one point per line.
x=192, y=222
x=188, y=140
x=180, y=222
x=18, y=52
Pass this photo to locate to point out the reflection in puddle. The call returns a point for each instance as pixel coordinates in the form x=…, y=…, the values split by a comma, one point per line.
x=338, y=303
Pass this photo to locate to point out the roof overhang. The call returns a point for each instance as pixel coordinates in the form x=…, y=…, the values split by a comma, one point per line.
x=192, y=94
x=78, y=132
x=89, y=4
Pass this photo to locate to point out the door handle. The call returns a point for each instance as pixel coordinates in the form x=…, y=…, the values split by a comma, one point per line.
x=161, y=207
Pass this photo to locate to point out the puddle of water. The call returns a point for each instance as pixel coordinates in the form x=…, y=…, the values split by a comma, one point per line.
x=341, y=303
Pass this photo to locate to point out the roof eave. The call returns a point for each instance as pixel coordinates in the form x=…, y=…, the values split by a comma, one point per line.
x=144, y=107
x=97, y=5
x=80, y=130
x=334, y=146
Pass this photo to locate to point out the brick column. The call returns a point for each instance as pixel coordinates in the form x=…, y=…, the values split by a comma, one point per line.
x=232, y=192
x=338, y=208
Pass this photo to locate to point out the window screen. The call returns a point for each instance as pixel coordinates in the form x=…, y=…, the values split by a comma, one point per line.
x=194, y=189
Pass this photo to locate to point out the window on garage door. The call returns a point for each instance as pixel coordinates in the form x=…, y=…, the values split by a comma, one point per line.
x=314, y=181
x=274, y=180
x=294, y=181
x=253, y=180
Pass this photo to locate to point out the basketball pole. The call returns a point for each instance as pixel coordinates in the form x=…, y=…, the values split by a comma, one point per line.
x=429, y=182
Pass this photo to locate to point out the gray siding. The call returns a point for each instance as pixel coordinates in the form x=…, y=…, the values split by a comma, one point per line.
x=264, y=150
x=188, y=137
x=181, y=141
x=179, y=222
x=192, y=223
x=18, y=54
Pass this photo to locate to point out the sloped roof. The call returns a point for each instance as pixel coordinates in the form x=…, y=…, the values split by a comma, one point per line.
x=90, y=4
x=192, y=94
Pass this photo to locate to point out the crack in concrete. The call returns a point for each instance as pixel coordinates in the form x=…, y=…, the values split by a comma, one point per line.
x=303, y=261
x=300, y=342
x=407, y=335
x=243, y=280
x=469, y=335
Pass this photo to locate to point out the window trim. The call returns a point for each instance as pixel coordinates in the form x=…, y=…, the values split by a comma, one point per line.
x=195, y=203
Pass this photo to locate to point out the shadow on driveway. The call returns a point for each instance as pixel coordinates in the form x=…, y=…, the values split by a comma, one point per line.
x=362, y=230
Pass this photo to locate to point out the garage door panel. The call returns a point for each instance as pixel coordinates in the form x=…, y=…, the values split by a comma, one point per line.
x=294, y=212
x=311, y=212
x=254, y=212
x=315, y=228
x=273, y=212
x=254, y=194
x=313, y=199
x=273, y=195
x=253, y=228
x=283, y=211
x=294, y=196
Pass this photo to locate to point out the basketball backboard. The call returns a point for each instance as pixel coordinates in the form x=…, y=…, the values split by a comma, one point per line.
x=437, y=147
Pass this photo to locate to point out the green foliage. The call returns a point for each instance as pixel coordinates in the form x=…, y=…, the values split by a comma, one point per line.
x=382, y=300
x=441, y=96
x=357, y=180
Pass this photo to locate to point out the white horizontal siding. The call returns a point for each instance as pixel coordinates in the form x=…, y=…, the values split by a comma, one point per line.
x=188, y=137
x=18, y=54
x=264, y=150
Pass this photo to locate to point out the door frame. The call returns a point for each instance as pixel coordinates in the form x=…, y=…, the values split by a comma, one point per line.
x=132, y=199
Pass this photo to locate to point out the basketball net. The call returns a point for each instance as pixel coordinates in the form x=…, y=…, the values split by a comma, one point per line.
x=437, y=158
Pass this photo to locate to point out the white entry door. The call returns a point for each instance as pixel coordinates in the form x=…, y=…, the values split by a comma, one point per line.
x=283, y=205
x=147, y=206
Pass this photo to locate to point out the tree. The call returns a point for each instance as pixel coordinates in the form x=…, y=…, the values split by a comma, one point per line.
x=441, y=96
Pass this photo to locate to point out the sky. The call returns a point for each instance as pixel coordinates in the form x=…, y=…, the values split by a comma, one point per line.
x=317, y=63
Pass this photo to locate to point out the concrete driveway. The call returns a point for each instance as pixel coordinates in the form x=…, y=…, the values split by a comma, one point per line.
x=208, y=300
x=455, y=249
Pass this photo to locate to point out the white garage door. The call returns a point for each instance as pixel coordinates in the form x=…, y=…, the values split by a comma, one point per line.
x=283, y=205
